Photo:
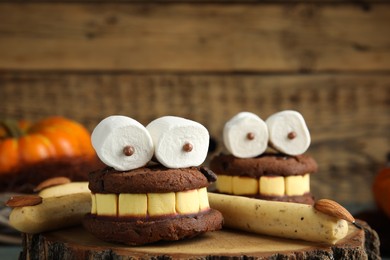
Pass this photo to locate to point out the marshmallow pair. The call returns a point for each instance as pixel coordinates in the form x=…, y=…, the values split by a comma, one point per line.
x=125, y=144
x=246, y=135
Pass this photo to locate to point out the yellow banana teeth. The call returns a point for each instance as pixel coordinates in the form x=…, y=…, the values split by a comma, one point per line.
x=224, y=184
x=152, y=204
x=131, y=205
x=161, y=203
x=106, y=204
x=294, y=185
x=272, y=186
x=265, y=185
x=187, y=202
x=245, y=185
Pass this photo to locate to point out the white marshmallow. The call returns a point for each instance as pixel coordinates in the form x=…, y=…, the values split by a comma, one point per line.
x=245, y=135
x=113, y=134
x=179, y=142
x=288, y=132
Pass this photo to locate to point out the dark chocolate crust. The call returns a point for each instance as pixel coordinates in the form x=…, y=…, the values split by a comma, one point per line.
x=154, y=178
x=263, y=165
x=140, y=232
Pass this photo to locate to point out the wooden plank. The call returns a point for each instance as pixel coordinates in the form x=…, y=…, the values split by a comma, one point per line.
x=77, y=243
x=348, y=115
x=195, y=37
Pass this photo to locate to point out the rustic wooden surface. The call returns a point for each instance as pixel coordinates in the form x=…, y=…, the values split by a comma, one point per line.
x=76, y=243
x=207, y=61
x=195, y=37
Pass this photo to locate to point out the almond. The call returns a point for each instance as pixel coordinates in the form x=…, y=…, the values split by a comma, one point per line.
x=332, y=208
x=23, y=200
x=52, y=182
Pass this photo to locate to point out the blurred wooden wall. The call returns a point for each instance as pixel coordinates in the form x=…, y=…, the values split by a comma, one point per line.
x=207, y=61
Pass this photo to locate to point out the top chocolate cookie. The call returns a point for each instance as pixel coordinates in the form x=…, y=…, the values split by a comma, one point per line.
x=264, y=165
x=149, y=179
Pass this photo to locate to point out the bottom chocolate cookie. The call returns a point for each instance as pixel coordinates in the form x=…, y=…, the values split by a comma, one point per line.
x=145, y=231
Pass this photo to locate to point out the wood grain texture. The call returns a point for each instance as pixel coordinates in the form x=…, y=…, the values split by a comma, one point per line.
x=179, y=36
x=76, y=243
x=348, y=115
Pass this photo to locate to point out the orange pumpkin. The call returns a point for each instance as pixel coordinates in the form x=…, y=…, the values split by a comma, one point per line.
x=381, y=189
x=22, y=143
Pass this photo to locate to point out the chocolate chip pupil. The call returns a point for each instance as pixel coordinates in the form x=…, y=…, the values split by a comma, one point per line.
x=250, y=136
x=291, y=135
x=187, y=147
x=128, y=150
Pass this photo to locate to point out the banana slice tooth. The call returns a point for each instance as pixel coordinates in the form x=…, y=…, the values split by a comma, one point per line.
x=288, y=132
x=122, y=143
x=245, y=135
x=179, y=142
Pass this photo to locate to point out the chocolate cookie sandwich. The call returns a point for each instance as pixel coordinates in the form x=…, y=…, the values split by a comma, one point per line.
x=136, y=201
x=268, y=176
x=252, y=170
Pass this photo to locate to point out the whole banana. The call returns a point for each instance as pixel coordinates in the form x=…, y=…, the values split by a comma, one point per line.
x=281, y=219
x=58, y=209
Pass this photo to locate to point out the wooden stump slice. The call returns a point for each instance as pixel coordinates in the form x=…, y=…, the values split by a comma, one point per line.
x=77, y=243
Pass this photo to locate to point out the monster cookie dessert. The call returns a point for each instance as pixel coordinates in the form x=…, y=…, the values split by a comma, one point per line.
x=268, y=176
x=149, y=204
x=135, y=201
x=250, y=170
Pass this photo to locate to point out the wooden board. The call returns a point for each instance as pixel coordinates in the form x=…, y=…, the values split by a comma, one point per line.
x=268, y=37
x=76, y=243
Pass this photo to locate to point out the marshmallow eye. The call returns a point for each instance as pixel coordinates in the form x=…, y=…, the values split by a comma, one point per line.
x=178, y=142
x=288, y=132
x=245, y=135
x=122, y=143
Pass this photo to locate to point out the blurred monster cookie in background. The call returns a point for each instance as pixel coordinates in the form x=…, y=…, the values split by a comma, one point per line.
x=280, y=174
x=136, y=201
x=33, y=152
x=268, y=176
